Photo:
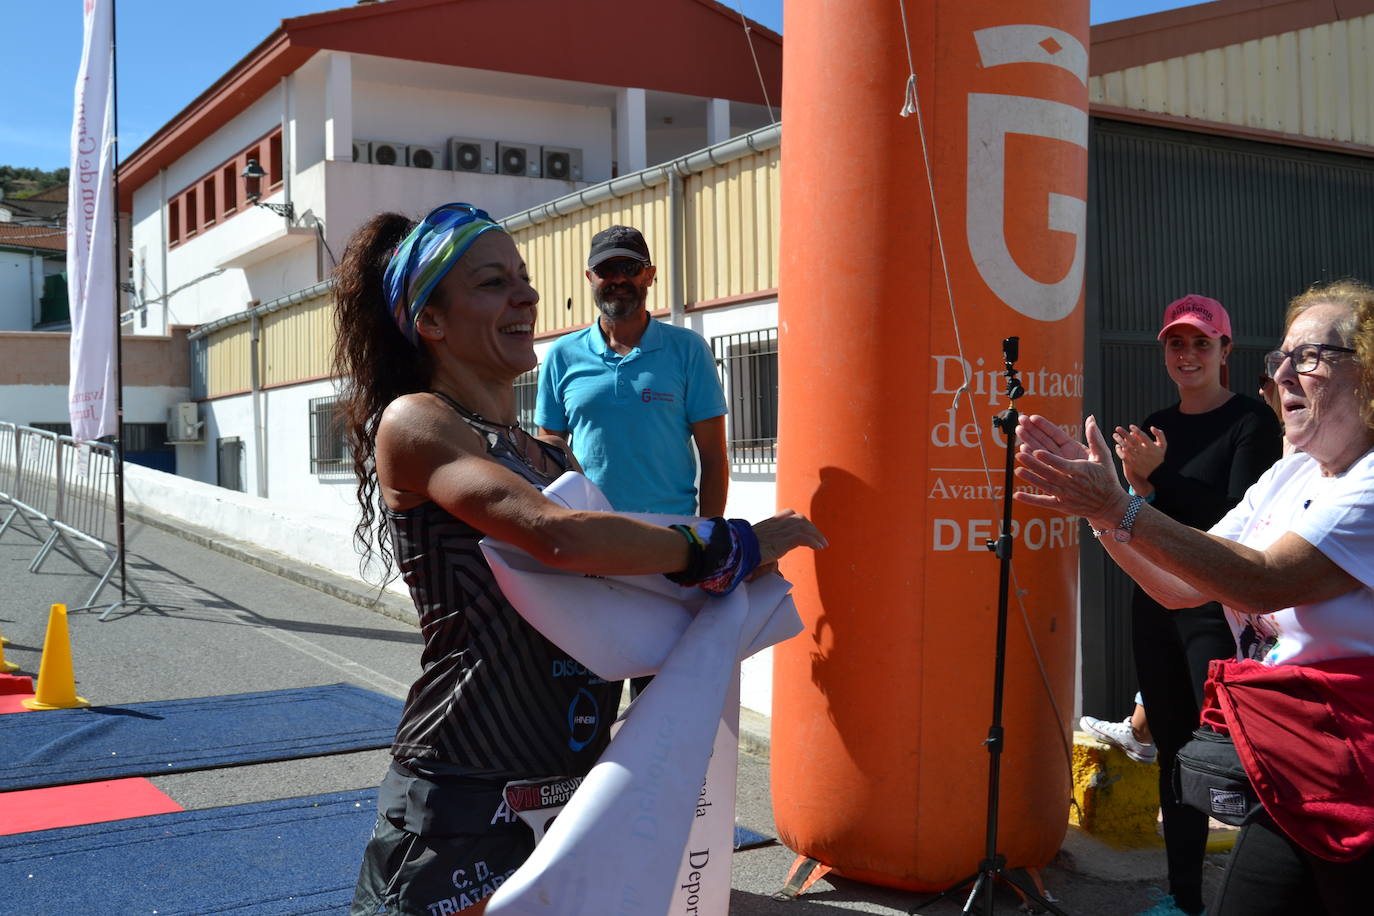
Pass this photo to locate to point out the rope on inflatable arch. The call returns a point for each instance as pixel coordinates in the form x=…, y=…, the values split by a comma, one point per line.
x=912, y=106
x=749, y=38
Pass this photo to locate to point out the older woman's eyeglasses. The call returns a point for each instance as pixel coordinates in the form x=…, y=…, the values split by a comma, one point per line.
x=1306, y=357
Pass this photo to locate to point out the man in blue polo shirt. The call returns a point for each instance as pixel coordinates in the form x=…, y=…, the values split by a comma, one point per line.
x=635, y=393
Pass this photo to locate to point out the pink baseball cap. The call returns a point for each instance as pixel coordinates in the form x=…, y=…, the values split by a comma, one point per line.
x=1207, y=315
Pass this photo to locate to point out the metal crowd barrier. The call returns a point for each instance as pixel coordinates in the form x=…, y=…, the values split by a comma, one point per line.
x=60, y=490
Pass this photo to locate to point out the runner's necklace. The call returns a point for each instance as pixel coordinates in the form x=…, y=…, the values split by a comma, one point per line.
x=510, y=428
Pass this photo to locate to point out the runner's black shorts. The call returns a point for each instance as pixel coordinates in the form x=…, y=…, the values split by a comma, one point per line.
x=404, y=874
x=441, y=844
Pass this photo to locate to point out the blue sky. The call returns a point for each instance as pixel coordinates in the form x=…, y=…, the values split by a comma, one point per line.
x=43, y=50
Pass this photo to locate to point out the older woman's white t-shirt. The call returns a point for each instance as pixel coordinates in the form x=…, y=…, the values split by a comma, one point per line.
x=1333, y=514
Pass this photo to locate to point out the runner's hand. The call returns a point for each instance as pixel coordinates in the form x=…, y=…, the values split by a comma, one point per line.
x=784, y=532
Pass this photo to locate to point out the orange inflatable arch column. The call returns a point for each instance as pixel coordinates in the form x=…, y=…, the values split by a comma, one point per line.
x=881, y=707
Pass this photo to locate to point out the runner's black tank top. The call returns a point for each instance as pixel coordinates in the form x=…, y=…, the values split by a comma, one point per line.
x=494, y=697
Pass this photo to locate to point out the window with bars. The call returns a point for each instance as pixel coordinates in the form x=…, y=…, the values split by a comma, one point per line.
x=526, y=392
x=749, y=374
x=329, y=452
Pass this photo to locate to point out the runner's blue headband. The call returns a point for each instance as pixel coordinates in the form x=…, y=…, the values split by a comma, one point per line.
x=425, y=256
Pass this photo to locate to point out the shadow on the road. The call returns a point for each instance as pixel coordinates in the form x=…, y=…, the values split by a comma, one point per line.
x=170, y=594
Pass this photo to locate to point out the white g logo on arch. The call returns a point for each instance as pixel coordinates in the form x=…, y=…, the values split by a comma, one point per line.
x=991, y=117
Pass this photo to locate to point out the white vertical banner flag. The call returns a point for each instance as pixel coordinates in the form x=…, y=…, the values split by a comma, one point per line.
x=90, y=233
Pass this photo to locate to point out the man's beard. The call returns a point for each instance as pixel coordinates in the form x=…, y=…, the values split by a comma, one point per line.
x=620, y=301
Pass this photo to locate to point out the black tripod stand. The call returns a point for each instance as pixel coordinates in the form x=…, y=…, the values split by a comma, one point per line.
x=994, y=864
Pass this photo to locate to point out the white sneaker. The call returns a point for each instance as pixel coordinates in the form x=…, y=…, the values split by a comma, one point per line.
x=1122, y=735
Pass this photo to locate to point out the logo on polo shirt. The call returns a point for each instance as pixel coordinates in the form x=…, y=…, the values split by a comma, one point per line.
x=648, y=395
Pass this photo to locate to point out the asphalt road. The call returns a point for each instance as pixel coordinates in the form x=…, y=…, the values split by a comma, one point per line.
x=229, y=618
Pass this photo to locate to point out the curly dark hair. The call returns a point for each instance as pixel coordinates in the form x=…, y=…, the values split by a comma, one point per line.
x=375, y=364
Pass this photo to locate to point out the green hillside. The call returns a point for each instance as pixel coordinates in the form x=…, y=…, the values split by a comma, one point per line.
x=16, y=182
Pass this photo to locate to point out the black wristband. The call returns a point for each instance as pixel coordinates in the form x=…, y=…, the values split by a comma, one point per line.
x=695, y=570
x=706, y=554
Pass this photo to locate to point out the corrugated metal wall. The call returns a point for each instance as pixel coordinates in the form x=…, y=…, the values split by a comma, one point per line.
x=297, y=343
x=730, y=243
x=1316, y=82
x=228, y=365
x=1172, y=212
x=556, y=254
x=732, y=228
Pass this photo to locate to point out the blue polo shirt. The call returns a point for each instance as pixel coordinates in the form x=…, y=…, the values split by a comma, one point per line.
x=630, y=417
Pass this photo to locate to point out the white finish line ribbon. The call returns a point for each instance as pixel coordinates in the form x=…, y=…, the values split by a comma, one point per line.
x=651, y=829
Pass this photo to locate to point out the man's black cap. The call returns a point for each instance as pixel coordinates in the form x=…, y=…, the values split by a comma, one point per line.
x=618, y=242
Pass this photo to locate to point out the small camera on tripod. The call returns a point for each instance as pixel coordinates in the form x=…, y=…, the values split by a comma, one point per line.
x=1011, y=351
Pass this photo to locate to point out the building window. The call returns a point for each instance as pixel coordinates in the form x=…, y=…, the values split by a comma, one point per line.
x=229, y=180
x=526, y=391
x=274, y=161
x=191, y=223
x=749, y=373
x=229, y=463
x=207, y=191
x=329, y=453
x=173, y=223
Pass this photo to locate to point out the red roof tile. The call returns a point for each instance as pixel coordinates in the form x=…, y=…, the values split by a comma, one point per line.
x=48, y=238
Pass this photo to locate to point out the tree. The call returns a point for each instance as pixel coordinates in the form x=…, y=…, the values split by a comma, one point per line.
x=21, y=182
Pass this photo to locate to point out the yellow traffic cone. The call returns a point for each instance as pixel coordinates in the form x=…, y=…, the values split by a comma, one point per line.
x=4, y=665
x=56, y=683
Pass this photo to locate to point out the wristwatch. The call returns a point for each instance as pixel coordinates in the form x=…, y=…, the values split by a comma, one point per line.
x=1122, y=532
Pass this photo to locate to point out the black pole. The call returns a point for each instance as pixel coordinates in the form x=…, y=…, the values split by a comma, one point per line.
x=1002, y=547
x=118, y=325
x=994, y=864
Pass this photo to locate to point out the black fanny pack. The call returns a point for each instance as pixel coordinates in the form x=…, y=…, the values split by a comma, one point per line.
x=1209, y=776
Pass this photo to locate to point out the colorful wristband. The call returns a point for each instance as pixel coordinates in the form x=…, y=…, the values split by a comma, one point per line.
x=744, y=559
x=721, y=554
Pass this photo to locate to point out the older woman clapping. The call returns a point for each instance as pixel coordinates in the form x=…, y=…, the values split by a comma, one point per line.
x=1293, y=564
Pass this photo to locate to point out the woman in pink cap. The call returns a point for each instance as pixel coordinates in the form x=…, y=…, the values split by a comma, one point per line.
x=1192, y=461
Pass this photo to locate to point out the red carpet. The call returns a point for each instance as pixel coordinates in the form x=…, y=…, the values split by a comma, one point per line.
x=83, y=803
x=13, y=688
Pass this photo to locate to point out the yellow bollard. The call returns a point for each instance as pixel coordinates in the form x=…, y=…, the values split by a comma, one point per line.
x=56, y=682
x=4, y=665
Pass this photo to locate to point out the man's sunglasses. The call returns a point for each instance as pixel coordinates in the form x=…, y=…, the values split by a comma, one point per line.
x=628, y=268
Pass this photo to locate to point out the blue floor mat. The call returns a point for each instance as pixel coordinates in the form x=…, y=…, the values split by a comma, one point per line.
x=61, y=746
x=290, y=857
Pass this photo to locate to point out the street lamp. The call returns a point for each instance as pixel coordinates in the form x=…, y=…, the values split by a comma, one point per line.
x=252, y=189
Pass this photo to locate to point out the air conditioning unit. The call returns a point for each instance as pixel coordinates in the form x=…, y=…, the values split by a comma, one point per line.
x=184, y=424
x=517, y=159
x=425, y=157
x=561, y=163
x=362, y=151
x=468, y=155
x=384, y=152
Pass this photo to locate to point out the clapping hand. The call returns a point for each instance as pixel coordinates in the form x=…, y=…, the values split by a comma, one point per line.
x=1066, y=476
x=1140, y=454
